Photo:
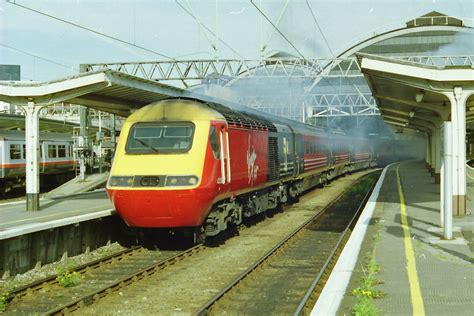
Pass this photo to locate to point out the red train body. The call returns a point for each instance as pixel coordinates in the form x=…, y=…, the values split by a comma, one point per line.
x=202, y=166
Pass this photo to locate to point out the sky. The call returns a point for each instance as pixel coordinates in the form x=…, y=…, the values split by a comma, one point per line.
x=49, y=49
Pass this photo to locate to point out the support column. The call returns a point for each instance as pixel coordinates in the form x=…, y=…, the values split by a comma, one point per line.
x=458, y=118
x=437, y=155
x=447, y=183
x=433, y=152
x=32, y=149
x=83, y=141
x=112, y=135
x=428, y=151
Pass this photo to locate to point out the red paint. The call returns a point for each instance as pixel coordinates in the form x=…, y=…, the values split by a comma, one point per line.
x=171, y=208
x=184, y=208
x=48, y=163
x=249, y=158
x=314, y=161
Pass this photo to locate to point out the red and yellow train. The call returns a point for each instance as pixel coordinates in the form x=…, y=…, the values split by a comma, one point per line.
x=200, y=166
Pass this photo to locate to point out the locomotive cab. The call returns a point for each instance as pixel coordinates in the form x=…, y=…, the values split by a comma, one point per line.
x=168, y=165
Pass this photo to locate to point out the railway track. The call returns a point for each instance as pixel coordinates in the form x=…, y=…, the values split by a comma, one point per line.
x=115, y=273
x=282, y=281
x=98, y=278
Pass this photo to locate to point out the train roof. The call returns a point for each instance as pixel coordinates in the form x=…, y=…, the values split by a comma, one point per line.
x=227, y=107
x=44, y=136
x=17, y=122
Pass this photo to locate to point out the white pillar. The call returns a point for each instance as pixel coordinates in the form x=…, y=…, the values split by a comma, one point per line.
x=32, y=154
x=447, y=180
x=437, y=157
x=458, y=118
x=441, y=192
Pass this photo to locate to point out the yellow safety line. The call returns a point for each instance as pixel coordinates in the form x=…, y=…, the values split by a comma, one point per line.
x=416, y=298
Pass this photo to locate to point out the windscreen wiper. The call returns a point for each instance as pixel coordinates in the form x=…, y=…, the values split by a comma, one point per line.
x=147, y=145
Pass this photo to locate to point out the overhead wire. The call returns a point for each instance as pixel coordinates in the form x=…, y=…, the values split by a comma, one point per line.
x=207, y=29
x=278, y=30
x=38, y=57
x=329, y=47
x=319, y=28
x=89, y=29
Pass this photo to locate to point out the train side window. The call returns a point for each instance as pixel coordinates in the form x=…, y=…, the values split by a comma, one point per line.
x=61, y=151
x=15, y=151
x=52, y=151
x=214, y=142
x=23, y=153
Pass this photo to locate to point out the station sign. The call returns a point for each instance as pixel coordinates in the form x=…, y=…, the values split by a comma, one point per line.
x=10, y=72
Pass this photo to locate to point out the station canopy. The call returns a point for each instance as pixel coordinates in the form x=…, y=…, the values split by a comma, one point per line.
x=410, y=95
x=17, y=122
x=105, y=90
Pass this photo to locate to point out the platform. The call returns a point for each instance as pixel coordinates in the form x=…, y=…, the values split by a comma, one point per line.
x=76, y=185
x=419, y=272
x=16, y=221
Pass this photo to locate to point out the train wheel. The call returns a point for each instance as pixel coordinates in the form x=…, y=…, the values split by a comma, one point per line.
x=199, y=235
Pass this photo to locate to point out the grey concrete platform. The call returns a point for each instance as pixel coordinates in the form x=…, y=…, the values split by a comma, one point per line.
x=444, y=269
x=76, y=185
x=57, y=212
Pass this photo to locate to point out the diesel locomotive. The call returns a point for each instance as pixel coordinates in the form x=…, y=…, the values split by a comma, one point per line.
x=184, y=164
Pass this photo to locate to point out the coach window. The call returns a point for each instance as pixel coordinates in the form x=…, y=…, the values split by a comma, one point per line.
x=23, y=153
x=52, y=151
x=214, y=142
x=61, y=151
x=15, y=151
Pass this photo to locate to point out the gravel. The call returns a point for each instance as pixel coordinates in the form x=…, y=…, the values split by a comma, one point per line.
x=6, y=285
x=183, y=287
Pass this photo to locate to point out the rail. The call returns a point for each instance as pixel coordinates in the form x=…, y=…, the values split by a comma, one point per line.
x=207, y=307
x=98, y=294
x=304, y=308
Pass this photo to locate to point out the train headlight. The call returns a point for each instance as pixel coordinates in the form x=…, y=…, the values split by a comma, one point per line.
x=178, y=181
x=120, y=181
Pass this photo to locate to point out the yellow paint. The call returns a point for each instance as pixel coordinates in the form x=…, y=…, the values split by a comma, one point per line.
x=189, y=163
x=415, y=291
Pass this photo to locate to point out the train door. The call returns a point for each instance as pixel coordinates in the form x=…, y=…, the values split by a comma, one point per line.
x=222, y=135
x=296, y=150
x=285, y=151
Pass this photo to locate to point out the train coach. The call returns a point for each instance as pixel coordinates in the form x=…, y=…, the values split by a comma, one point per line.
x=199, y=167
x=56, y=162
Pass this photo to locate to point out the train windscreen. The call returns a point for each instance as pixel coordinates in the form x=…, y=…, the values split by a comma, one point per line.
x=156, y=138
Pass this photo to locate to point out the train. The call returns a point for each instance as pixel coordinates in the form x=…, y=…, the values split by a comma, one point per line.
x=199, y=167
x=56, y=161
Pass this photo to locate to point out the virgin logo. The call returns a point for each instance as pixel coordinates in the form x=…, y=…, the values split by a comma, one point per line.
x=252, y=169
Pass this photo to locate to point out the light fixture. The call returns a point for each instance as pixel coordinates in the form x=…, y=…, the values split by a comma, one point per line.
x=419, y=96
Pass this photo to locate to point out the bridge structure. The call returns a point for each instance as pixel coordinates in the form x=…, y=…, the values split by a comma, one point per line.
x=317, y=91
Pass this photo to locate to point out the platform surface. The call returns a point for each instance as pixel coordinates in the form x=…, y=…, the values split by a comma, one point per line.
x=76, y=185
x=443, y=275
x=15, y=220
